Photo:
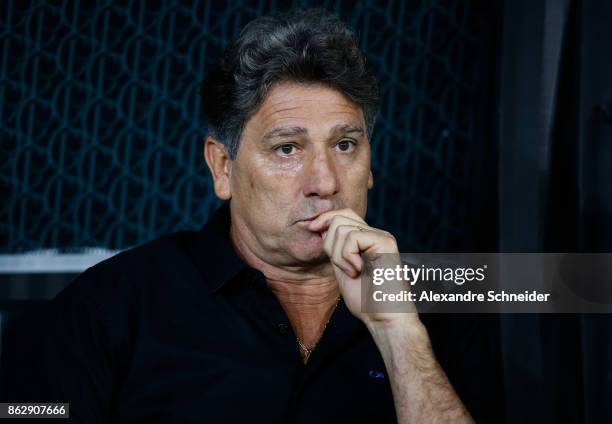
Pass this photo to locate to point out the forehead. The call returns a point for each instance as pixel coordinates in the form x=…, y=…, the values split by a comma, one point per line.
x=307, y=105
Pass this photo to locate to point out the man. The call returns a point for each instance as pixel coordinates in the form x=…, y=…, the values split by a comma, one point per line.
x=257, y=317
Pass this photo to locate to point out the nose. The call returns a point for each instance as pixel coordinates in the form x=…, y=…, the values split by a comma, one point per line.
x=321, y=178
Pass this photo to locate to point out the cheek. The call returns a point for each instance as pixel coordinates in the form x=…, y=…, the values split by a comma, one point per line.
x=277, y=181
x=356, y=176
x=267, y=186
x=281, y=168
x=356, y=187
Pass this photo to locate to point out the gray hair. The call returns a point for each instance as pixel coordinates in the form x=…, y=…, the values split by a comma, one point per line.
x=304, y=46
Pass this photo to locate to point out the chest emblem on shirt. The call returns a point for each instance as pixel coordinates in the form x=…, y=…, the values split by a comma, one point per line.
x=376, y=374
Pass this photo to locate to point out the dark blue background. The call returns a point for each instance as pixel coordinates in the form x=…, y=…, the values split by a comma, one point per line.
x=102, y=129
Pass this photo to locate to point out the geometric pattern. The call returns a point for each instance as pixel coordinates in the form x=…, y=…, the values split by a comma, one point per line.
x=101, y=135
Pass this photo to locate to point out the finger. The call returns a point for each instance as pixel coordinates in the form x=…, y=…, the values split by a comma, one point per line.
x=362, y=241
x=348, y=269
x=333, y=224
x=323, y=220
x=356, y=243
x=340, y=235
x=336, y=234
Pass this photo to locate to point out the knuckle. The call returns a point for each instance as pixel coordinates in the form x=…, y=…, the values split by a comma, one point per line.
x=335, y=219
x=350, y=238
x=343, y=228
x=387, y=235
x=333, y=223
x=346, y=255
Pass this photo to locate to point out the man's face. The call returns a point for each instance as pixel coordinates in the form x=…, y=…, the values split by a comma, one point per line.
x=304, y=152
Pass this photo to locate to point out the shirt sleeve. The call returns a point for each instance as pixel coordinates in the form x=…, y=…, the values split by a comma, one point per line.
x=74, y=362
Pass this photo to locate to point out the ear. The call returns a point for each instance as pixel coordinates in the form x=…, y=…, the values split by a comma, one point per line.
x=370, y=180
x=220, y=165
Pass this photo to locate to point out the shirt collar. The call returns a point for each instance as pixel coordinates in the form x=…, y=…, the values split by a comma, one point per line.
x=214, y=252
x=219, y=264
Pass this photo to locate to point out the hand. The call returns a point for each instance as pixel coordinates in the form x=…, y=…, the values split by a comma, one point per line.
x=421, y=390
x=346, y=237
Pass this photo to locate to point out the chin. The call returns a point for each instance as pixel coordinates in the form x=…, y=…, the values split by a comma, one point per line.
x=311, y=250
x=318, y=257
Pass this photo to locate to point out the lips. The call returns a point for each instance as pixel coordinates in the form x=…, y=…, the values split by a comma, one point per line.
x=305, y=221
x=313, y=217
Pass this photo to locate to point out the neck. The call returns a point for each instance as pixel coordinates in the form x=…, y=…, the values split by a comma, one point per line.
x=308, y=294
x=302, y=278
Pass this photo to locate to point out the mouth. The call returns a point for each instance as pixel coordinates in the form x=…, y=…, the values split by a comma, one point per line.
x=306, y=220
x=312, y=218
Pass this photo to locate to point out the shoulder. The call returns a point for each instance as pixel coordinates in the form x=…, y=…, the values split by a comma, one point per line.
x=128, y=273
x=149, y=259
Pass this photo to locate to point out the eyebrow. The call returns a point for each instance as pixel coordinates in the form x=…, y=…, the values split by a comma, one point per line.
x=283, y=132
x=346, y=129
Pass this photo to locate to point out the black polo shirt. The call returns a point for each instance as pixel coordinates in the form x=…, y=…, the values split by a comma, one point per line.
x=181, y=330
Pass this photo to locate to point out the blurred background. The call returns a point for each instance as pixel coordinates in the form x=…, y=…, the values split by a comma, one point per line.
x=495, y=134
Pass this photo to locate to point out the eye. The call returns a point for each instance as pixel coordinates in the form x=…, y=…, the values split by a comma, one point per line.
x=286, y=149
x=346, y=145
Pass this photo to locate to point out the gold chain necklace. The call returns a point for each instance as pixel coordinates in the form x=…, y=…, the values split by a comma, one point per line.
x=306, y=351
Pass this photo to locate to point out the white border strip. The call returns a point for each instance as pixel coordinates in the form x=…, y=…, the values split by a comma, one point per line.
x=49, y=262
